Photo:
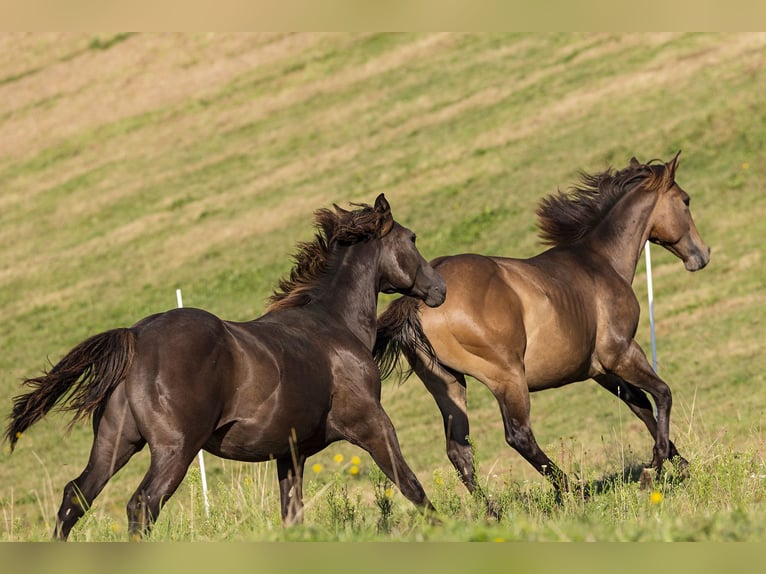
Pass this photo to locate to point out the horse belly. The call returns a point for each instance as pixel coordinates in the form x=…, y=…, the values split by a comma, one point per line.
x=555, y=360
x=275, y=407
x=262, y=438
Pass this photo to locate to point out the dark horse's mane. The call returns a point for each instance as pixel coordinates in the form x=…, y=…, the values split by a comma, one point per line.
x=312, y=259
x=567, y=217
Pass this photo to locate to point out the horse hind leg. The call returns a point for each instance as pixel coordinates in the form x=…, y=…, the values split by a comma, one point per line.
x=448, y=389
x=116, y=440
x=168, y=466
x=509, y=386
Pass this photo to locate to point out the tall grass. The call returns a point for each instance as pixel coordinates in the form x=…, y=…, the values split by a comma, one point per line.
x=720, y=497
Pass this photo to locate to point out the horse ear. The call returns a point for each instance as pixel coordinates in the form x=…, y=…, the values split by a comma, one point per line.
x=634, y=162
x=382, y=205
x=339, y=209
x=672, y=165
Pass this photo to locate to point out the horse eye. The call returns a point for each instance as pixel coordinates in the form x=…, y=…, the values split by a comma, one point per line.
x=413, y=237
x=687, y=201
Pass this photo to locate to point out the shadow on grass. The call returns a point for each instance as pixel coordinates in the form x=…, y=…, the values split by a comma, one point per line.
x=630, y=474
x=643, y=475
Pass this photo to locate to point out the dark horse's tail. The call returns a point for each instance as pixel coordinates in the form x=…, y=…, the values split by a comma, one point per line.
x=89, y=373
x=400, y=332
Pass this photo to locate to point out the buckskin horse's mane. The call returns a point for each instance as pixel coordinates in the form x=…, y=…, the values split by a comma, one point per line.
x=567, y=217
x=311, y=261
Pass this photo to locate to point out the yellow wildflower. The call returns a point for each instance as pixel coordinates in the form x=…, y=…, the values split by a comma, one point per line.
x=338, y=458
x=354, y=470
x=389, y=493
x=655, y=497
x=316, y=468
x=356, y=460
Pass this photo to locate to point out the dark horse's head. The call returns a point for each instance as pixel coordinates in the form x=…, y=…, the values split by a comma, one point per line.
x=401, y=267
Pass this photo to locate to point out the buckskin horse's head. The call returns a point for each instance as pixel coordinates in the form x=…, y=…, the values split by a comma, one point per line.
x=672, y=225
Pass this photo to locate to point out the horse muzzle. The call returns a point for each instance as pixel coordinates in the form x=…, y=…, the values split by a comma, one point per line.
x=698, y=260
x=432, y=287
x=690, y=249
x=436, y=296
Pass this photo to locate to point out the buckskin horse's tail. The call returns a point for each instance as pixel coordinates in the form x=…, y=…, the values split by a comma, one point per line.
x=400, y=332
x=88, y=374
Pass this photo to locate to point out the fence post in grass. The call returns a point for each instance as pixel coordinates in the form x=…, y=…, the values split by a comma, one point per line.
x=199, y=454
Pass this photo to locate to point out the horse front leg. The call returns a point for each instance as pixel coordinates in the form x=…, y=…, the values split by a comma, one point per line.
x=634, y=368
x=363, y=422
x=640, y=405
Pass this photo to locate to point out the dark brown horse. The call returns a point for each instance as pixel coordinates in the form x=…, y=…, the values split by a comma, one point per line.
x=282, y=387
x=565, y=315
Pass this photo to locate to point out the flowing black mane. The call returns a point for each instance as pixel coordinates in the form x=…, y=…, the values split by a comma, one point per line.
x=567, y=217
x=334, y=227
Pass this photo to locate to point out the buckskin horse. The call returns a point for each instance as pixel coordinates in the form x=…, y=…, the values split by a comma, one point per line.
x=282, y=386
x=565, y=315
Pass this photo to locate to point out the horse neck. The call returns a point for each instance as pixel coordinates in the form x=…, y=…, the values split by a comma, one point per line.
x=622, y=234
x=350, y=291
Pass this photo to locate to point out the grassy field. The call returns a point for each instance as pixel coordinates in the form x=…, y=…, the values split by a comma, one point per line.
x=133, y=165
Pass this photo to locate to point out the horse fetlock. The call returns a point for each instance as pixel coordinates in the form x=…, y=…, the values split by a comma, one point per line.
x=140, y=516
x=461, y=457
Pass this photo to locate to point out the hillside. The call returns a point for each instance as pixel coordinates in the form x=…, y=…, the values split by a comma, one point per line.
x=135, y=164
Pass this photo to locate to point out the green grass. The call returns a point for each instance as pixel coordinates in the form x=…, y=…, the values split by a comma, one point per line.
x=132, y=165
x=720, y=500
